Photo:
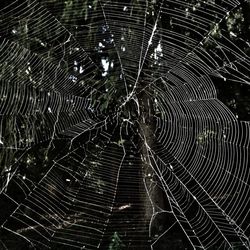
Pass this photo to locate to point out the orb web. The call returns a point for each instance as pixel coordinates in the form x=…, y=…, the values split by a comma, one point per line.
x=113, y=128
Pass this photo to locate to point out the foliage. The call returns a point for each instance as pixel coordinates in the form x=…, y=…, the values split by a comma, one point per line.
x=116, y=243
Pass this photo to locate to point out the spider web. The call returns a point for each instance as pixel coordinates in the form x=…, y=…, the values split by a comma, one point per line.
x=111, y=130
